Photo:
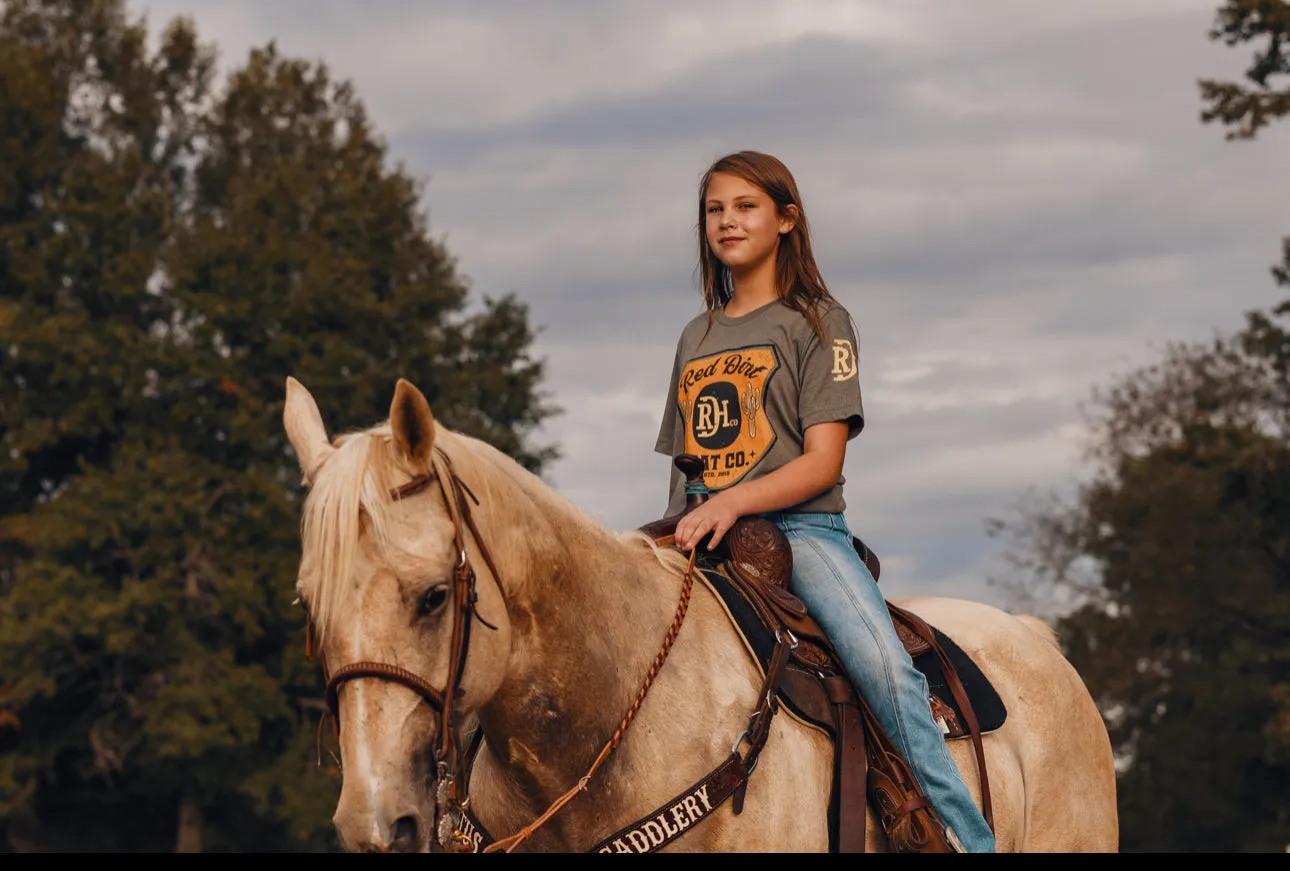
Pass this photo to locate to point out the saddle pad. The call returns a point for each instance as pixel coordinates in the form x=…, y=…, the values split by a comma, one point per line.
x=745, y=617
x=986, y=704
x=758, y=640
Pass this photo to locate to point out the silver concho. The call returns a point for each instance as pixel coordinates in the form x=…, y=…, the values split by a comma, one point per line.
x=447, y=827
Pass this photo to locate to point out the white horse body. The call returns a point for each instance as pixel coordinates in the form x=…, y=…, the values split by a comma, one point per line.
x=580, y=614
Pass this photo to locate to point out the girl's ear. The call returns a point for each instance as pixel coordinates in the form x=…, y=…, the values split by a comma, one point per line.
x=788, y=218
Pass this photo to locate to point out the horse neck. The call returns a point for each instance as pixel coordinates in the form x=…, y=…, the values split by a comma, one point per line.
x=588, y=611
x=547, y=549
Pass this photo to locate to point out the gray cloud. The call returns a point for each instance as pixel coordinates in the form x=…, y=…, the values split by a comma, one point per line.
x=1015, y=199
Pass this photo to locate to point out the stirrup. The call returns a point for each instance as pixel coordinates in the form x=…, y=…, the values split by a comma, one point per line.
x=953, y=840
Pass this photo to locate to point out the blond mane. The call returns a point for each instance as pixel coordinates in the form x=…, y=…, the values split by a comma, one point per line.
x=350, y=499
x=350, y=496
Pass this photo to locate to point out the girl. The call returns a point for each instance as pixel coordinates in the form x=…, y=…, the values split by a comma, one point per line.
x=764, y=389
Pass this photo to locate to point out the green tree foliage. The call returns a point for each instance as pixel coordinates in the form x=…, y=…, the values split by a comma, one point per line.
x=171, y=248
x=1169, y=568
x=1175, y=555
x=1245, y=109
x=1241, y=108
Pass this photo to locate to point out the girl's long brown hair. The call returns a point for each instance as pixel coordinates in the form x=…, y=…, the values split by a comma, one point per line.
x=797, y=278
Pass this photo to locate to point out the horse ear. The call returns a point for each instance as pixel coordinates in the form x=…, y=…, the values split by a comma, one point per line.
x=412, y=424
x=305, y=430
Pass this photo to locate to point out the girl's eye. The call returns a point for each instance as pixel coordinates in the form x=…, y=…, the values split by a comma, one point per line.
x=433, y=601
x=713, y=209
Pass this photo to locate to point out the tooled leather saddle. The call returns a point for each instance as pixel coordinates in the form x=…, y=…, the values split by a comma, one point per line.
x=750, y=570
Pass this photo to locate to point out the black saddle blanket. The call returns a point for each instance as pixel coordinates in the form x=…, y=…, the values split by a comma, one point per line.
x=986, y=704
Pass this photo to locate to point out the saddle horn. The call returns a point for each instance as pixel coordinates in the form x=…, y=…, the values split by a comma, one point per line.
x=696, y=492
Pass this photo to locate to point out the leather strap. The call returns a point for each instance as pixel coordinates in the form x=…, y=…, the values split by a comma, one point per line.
x=759, y=721
x=665, y=823
x=464, y=600
x=850, y=766
x=960, y=695
x=654, y=830
x=668, y=821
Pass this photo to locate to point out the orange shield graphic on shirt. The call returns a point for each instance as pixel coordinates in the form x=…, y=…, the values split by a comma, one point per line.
x=722, y=403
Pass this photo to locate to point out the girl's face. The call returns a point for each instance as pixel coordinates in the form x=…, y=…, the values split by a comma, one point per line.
x=743, y=225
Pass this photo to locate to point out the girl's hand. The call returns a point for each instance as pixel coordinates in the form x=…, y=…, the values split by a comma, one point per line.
x=714, y=516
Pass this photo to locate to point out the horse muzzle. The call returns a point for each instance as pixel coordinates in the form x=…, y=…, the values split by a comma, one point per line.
x=361, y=832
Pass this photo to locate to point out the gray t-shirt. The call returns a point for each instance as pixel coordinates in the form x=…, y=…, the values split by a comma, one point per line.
x=742, y=396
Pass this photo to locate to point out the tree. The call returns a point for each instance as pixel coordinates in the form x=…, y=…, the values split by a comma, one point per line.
x=1169, y=568
x=1245, y=110
x=170, y=251
x=1175, y=556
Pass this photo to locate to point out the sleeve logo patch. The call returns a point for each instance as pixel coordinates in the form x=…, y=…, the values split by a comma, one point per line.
x=844, y=360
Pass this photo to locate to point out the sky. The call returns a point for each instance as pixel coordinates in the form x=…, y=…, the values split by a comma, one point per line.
x=1016, y=201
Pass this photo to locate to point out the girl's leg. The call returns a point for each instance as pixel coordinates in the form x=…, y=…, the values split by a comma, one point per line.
x=843, y=597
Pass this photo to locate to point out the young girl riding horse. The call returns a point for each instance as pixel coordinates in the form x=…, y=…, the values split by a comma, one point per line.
x=765, y=390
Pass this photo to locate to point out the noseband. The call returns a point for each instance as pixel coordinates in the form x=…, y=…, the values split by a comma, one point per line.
x=447, y=752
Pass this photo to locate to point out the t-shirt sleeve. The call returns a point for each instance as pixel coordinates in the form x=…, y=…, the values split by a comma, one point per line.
x=830, y=375
x=666, y=443
x=670, y=438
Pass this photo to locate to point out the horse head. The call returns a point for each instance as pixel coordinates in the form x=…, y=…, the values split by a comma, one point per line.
x=406, y=614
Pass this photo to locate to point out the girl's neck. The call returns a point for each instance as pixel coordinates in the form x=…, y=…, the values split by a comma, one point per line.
x=753, y=289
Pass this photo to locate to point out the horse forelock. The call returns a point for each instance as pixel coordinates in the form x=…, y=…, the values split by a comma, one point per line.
x=350, y=497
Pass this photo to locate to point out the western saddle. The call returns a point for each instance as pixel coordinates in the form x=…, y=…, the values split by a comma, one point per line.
x=751, y=568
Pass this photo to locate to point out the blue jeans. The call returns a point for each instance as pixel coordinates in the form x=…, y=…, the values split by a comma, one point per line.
x=843, y=597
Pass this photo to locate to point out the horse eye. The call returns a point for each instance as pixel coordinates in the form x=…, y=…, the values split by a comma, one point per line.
x=434, y=600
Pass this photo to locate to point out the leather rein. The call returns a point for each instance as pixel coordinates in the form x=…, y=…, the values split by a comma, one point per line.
x=451, y=764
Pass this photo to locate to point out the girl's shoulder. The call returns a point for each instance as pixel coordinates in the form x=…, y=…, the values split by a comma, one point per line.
x=694, y=326
x=833, y=317
x=831, y=308
x=698, y=322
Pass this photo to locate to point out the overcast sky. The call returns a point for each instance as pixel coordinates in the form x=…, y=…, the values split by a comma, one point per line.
x=1015, y=199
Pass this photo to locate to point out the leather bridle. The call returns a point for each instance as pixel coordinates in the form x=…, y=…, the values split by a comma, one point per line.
x=447, y=752
x=451, y=763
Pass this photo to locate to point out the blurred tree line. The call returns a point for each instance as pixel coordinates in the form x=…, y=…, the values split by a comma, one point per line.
x=1171, y=563
x=171, y=248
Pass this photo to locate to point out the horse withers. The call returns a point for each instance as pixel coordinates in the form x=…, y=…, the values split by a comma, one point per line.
x=452, y=594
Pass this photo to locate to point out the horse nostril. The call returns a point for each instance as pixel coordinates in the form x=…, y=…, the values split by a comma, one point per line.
x=405, y=836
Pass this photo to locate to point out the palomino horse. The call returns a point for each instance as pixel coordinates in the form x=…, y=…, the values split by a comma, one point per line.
x=445, y=583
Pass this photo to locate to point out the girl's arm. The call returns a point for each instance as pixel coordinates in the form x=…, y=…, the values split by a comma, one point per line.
x=824, y=448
